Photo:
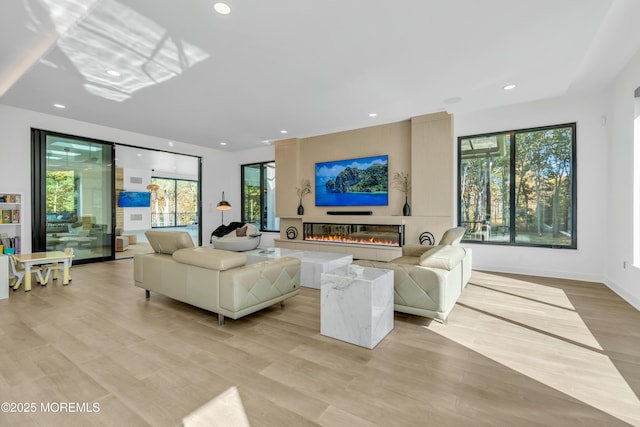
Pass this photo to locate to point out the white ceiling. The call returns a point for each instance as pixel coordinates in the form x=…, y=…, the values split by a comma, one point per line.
x=309, y=67
x=160, y=163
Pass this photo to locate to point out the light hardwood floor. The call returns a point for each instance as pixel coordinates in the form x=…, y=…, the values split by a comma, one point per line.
x=518, y=351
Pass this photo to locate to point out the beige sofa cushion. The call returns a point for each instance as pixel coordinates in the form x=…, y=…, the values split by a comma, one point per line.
x=213, y=259
x=167, y=242
x=445, y=257
x=452, y=236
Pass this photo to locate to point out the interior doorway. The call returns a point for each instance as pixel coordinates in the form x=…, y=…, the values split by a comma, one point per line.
x=154, y=189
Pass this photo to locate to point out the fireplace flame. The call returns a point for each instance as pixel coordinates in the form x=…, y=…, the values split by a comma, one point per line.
x=347, y=239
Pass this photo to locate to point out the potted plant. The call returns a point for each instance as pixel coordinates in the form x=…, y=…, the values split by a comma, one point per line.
x=402, y=182
x=303, y=190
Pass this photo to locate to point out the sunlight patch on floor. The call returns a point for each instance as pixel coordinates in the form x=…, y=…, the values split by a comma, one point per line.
x=225, y=410
x=556, y=349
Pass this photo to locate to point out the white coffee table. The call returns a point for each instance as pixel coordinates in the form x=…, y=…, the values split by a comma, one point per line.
x=313, y=264
x=259, y=255
x=356, y=305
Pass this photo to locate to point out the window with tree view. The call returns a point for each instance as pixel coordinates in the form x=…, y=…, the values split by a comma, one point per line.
x=519, y=187
x=174, y=203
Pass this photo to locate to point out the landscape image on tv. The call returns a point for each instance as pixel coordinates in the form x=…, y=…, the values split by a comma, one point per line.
x=353, y=182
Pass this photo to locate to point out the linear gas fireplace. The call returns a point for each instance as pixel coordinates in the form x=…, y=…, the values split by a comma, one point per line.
x=361, y=234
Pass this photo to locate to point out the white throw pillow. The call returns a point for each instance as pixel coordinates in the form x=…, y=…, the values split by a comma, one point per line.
x=252, y=230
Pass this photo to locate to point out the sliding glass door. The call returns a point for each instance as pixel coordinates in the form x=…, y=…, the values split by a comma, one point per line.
x=259, y=196
x=73, y=195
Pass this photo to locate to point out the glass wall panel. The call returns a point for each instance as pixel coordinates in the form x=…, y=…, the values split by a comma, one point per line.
x=163, y=203
x=543, y=187
x=186, y=202
x=270, y=221
x=251, y=194
x=484, y=187
x=78, y=196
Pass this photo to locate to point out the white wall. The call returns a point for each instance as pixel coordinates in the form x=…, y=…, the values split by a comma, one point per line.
x=587, y=262
x=15, y=159
x=619, y=186
x=144, y=213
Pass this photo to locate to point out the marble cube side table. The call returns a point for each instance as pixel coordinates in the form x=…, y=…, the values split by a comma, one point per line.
x=356, y=304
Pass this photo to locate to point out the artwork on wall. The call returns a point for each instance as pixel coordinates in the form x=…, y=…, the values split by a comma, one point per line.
x=134, y=199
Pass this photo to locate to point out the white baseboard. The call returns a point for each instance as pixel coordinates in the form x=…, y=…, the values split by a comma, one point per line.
x=631, y=299
x=541, y=273
x=622, y=293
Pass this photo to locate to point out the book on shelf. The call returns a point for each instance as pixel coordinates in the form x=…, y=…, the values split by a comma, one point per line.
x=15, y=216
x=9, y=198
x=11, y=242
x=6, y=216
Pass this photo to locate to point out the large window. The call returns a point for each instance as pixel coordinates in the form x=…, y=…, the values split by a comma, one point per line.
x=519, y=187
x=259, y=196
x=174, y=203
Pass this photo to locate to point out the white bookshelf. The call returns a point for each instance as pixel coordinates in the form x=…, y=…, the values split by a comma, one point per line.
x=4, y=277
x=12, y=218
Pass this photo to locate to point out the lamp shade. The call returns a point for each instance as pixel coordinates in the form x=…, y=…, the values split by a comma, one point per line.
x=223, y=205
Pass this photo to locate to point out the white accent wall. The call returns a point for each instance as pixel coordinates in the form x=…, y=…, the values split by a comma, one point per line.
x=588, y=261
x=619, y=192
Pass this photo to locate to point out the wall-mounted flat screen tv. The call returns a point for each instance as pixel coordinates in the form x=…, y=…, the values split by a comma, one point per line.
x=134, y=199
x=353, y=182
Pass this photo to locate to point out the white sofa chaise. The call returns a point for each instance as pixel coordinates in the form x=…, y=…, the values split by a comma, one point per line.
x=429, y=279
x=212, y=279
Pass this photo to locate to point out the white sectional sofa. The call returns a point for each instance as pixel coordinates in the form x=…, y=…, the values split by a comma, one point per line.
x=212, y=279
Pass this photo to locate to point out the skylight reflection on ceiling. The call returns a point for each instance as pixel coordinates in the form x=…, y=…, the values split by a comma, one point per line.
x=107, y=35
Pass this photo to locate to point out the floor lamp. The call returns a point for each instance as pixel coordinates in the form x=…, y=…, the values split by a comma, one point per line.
x=223, y=205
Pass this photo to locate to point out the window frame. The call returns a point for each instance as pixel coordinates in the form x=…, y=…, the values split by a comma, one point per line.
x=175, y=201
x=512, y=187
x=262, y=166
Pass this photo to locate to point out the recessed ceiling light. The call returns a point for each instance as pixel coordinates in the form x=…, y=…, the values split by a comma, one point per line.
x=283, y=131
x=452, y=100
x=266, y=141
x=223, y=143
x=509, y=87
x=59, y=106
x=113, y=73
x=222, y=8
x=170, y=143
x=373, y=114
x=139, y=154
